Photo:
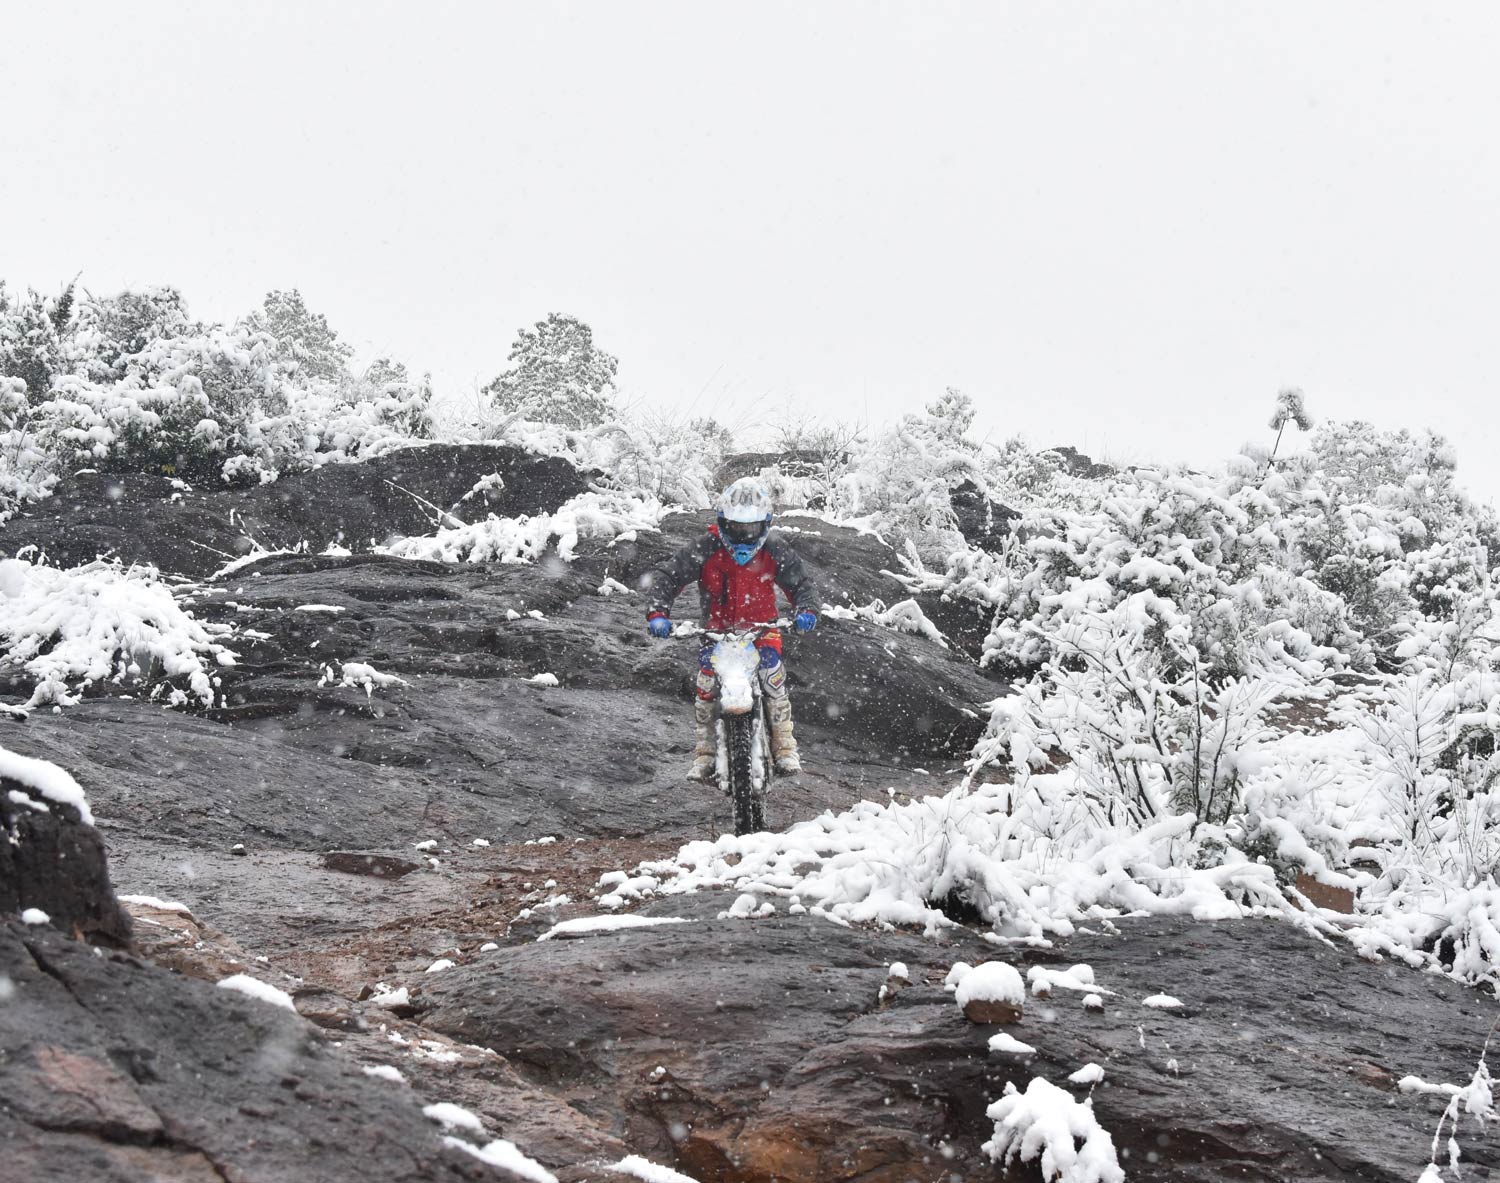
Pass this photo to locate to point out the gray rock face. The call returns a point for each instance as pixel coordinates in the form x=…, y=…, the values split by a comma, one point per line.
x=145, y=518
x=115, y=1070
x=51, y=860
x=762, y=1050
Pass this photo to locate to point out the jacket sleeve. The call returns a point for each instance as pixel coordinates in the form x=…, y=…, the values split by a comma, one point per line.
x=664, y=582
x=792, y=576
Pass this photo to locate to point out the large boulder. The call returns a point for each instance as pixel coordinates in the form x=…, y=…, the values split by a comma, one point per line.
x=150, y=518
x=53, y=862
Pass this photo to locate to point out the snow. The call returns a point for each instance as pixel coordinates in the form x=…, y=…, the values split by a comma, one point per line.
x=1088, y=1074
x=391, y=998
x=453, y=1117
x=360, y=675
x=586, y=925
x=439, y=965
x=543, y=680
x=262, y=991
x=649, y=1172
x=331, y=608
x=150, y=901
x=505, y=1155
x=426, y=844
x=1093, y=1002
x=384, y=1072
x=1162, y=1002
x=955, y=975
x=991, y=981
x=1047, y=1126
x=35, y=916
x=899, y=971
x=101, y=623
x=46, y=778
x=1079, y=978
x=1009, y=1045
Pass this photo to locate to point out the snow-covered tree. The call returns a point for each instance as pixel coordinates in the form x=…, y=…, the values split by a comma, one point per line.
x=557, y=375
x=302, y=335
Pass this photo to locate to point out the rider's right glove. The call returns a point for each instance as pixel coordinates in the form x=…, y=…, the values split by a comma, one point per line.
x=660, y=625
x=806, y=621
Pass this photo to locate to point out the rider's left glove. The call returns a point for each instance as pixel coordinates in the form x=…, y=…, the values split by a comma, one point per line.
x=805, y=622
x=660, y=626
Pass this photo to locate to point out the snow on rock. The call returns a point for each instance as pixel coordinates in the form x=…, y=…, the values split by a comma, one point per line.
x=262, y=991
x=439, y=965
x=387, y=999
x=899, y=971
x=453, y=1117
x=956, y=975
x=44, y=777
x=359, y=675
x=587, y=925
x=150, y=901
x=1162, y=1002
x=649, y=1172
x=102, y=622
x=1090, y=1073
x=385, y=1072
x=1009, y=1045
x=426, y=844
x=1047, y=1126
x=525, y=539
x=35, y=916
x=332, y=609
x=991, y=992
x=543, y=680
x=748, y=907
x=1093, y=1002
x=505, y=1155
x=1079, y=978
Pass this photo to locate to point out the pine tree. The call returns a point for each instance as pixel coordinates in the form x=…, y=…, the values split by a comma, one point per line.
x=557, y=375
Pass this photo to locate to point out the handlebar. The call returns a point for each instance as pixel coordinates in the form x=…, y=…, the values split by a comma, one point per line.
x=689, y=629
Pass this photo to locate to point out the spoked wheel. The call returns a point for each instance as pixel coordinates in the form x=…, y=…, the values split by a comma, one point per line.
x=747, y=764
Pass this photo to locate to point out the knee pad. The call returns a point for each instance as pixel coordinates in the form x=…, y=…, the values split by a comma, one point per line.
x=707, y=683
x=773, y=677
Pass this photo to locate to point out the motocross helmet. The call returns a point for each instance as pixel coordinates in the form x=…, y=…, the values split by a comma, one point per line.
x=744, y=518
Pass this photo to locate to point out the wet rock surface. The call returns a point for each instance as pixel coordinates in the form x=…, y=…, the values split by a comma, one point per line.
x=339, y=843
x=763, y=1050
x=114, y=1069
x=52, y=861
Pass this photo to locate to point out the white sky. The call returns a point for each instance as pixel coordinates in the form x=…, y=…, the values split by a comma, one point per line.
x=1118, y=226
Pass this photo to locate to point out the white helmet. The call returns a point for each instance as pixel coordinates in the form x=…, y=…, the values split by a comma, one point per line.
x=745, y=512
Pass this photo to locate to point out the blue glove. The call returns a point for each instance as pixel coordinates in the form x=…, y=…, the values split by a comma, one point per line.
x=806, y=621
x=660, y=626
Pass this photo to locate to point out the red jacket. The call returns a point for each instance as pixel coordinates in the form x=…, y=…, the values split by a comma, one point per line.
x=732, y=596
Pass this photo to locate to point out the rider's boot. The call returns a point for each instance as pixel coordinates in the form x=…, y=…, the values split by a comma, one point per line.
x=783, y=742
x=705, y=749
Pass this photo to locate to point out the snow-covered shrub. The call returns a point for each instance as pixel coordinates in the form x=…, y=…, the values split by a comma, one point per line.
x=526, y=539
x=901, y=481
x=65, y=631
x=1045, y=1125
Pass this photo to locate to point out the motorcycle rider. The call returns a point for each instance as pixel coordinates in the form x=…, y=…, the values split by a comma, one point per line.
x=738, y=564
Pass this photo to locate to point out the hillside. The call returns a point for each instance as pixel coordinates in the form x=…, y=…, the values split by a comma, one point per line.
x=335, y=771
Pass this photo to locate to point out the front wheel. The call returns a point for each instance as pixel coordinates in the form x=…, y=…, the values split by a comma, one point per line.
x=746, y=773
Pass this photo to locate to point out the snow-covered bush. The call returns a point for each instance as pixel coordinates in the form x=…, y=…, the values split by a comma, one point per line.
x=66, y=631
x=1046, y=1126
x=901, y=481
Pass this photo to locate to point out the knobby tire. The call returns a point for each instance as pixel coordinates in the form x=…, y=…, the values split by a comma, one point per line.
x=749, y=806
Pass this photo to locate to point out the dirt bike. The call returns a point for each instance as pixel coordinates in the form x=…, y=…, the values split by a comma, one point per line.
x=744, y=765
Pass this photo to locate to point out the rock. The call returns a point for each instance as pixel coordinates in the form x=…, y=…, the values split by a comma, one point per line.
x=381, y=866
x=1325, y=895
x=401, y=492
x=991, y=1010
x=826, y=1083
x=124, y=1071
x=54, y=861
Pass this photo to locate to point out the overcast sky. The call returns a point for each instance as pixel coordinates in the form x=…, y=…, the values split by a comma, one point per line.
x=1118, y=226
